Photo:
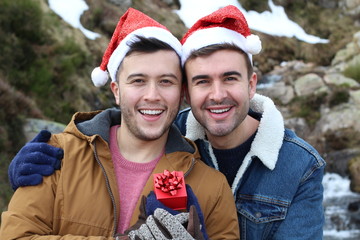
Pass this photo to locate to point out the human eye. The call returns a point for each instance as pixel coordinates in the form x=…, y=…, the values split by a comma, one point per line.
x=137, y=81
x=231, y=78
x=169, y=80
x=200, y=79
x=201, y=82
x=166, y=82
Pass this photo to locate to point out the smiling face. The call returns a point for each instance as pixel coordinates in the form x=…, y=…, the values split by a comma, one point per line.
x=148, y=93
x=219, y=91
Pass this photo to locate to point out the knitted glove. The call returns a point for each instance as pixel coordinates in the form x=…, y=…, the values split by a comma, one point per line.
x=169, y=224
x=162, y=225
x=35, y=160
x=152, y=203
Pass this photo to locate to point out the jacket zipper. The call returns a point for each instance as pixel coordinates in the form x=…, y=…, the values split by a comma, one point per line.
x=190, y=168
x=108, y=188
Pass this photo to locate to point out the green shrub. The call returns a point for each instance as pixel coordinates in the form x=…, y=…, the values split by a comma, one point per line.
x=70, y=59
x=21, y=32
x=353, y=71
x=96, y=18
x=339, y=96
x=10, y=142
x=36, y=64
x=5, y=189
x=308, y=107
x=15, y=16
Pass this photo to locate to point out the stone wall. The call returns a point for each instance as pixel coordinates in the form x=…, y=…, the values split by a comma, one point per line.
x=331, y=123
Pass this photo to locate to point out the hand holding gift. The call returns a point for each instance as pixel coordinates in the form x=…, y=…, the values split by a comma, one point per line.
x=157, y=220
x=181, y=199
x=166, y=223
x=196, y=223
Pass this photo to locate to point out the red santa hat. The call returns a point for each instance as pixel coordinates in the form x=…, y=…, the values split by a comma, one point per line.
x=132, y=24
x=226, y=25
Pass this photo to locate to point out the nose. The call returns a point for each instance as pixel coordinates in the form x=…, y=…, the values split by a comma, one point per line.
x=152, y=92
x=218, y=92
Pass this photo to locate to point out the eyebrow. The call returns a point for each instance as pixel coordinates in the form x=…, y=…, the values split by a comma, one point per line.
x=145, y=75
x=204, y=76
x=169, y=75
x=197, y=77
x=136, y=75
x=231, y=73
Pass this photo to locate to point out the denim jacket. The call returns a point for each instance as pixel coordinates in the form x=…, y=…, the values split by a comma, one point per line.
x=278, y=188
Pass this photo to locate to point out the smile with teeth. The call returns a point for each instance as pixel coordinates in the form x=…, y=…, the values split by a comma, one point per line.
x=218, y=111
x=151, y=112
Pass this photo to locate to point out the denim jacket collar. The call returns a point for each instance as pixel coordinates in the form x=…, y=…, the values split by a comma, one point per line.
x=266, y=144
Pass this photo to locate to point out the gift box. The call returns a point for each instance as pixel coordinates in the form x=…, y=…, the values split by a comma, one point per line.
x=169, y=188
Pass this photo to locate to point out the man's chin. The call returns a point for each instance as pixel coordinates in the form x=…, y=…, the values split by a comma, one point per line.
x=218, y=131
x=150, y=134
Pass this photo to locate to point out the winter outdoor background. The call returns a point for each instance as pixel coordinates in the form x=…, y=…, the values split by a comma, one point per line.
x=281, y=26
x=336, y=187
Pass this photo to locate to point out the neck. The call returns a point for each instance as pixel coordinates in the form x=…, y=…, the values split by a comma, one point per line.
x=138, y=150
x=237, y=137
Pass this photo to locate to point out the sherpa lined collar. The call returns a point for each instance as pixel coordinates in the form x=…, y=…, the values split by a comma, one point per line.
x=268, y=140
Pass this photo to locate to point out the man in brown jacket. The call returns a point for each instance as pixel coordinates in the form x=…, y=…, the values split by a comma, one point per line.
x=110, y=156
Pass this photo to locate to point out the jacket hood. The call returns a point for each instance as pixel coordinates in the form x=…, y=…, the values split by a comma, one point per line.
x=267, y=141
x=98, y=123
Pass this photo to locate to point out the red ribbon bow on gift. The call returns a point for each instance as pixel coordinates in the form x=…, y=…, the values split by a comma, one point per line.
x=168, y=182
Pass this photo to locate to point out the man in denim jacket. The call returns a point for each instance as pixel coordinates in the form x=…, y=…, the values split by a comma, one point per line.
x=276, y=177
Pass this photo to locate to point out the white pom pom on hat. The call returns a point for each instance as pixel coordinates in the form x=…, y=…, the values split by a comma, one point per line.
x=99, y=77
x=253, y=44
x=131, y=25
x=226, y=25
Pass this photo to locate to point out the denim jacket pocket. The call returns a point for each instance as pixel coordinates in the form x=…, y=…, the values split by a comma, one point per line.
x=260, y=216
x=262, y=209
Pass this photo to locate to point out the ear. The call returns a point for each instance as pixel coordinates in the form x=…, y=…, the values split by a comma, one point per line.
x=116, y=91
x=252, y=85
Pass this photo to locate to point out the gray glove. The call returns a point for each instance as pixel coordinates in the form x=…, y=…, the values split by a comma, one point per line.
x=162, y=225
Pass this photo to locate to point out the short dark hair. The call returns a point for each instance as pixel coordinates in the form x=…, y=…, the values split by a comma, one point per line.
x=147, y=45
x=208, y=50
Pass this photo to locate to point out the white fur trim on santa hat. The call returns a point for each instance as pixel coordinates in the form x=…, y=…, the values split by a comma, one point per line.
x=148, y=32
x=218, y=35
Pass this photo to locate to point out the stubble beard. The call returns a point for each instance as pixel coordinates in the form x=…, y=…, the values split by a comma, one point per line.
x=221, y=128
x=141, y=133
